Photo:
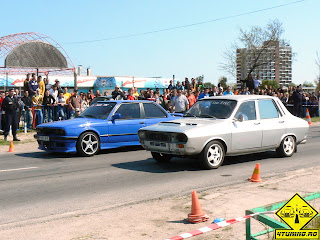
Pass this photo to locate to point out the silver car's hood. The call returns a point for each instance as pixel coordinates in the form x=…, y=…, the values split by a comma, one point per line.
x=184, y=124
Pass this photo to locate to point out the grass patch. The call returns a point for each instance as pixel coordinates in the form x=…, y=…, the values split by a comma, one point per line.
x=314, y=119
x=7, y=143
x=3, y=143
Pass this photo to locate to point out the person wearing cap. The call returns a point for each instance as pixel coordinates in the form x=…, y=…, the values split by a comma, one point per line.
x=59, y=88
x=117, y=94
x=9, y=107
x=75, y=104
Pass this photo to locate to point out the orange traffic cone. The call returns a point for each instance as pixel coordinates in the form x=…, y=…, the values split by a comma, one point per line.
x=308, y=117
x=11, y=147
x=256, y=174
x=196, y=215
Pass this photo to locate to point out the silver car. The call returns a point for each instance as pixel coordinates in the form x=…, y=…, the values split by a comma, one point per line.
x=226, y=125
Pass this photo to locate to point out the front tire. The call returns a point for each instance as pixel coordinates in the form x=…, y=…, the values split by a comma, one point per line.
x=212, y=155
x=287, y=147
x=88, y=144
x=161, y=157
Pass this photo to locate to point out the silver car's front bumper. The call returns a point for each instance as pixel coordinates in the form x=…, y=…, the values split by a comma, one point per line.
x=169, y=148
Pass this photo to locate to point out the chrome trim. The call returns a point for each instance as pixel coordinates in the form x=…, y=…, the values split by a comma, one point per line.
x=120, y=134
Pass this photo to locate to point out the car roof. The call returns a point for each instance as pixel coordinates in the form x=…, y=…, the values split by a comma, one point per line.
x=240, y=97
x=129, y=101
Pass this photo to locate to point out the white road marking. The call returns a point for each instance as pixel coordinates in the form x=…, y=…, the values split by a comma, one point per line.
x=17, y=169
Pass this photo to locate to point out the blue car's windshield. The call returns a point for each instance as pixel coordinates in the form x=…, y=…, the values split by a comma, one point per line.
x=212, y=108
x=98, y=110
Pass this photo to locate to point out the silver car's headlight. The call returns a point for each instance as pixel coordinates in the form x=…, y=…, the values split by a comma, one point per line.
x=180, y=137
x=142, y=134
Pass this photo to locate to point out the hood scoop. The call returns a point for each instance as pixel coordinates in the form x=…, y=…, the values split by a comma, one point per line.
x=177, y=123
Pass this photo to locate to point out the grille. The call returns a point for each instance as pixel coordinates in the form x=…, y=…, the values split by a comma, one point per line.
x=50, y=131
x=156, y=136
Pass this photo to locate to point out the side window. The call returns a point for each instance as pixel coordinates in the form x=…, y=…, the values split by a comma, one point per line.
x=268, y=109
x=129, y=111
x=153, y=111
x=248, y=111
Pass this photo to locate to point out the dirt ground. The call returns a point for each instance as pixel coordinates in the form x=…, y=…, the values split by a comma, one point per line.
x=27, y=143
x=165, y=218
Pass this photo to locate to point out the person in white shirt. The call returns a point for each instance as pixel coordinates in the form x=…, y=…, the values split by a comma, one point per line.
x=54, y=92
x=61, y=107
x=180, y=103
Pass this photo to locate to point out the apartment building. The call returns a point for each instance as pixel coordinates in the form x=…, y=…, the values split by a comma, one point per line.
x=274, y=62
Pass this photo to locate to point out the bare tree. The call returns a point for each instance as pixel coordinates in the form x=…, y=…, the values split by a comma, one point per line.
x=252, y=50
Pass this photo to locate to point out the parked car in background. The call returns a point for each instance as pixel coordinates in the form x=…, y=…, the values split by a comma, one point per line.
x=103, y=125
x=226, y=125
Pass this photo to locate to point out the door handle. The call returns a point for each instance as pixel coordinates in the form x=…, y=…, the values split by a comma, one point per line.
x=141, y=122
x=281, y=121
x=256, y=123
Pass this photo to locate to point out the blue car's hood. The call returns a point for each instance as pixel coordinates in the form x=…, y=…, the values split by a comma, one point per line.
x=75, y=122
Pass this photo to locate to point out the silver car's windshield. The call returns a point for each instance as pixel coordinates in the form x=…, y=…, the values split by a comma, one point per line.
x=212, y=108
x=98, y=110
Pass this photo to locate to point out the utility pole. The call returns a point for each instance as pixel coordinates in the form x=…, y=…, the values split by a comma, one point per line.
x=75, y=76
x=7, y=82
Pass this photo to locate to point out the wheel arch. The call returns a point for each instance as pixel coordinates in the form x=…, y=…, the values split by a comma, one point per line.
x=221, y=140
x=287, y=134
x=90, y=130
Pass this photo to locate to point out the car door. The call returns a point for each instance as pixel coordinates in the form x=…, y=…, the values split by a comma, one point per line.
x=153, y=114
x=272, y=122
x=248, y=133
x=126, y=128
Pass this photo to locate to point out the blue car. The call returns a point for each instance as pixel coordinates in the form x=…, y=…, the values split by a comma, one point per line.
x=103, y=125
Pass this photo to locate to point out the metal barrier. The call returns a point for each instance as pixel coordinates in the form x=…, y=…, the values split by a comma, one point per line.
x=29, y=119
x=314, y=109
x=268, y=221
x=43, y=114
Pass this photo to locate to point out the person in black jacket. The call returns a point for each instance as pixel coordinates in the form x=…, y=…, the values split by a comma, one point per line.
x=28, y=104
x=10, y=106
x=297, y=102
x=48, y=103
x=117, y=94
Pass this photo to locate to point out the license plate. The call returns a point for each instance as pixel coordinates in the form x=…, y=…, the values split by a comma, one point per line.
x=43, y=138
x=158, y=145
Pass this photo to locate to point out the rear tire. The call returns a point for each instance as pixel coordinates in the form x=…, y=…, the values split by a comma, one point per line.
x=212, y=155
x=88, y=144
x=287, y=147
x=161, y=157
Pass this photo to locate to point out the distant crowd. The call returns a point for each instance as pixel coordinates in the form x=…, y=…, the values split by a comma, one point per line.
x=45, y=102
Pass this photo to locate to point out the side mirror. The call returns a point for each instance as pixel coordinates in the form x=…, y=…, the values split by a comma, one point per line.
x=241, y=118
x=115, y=116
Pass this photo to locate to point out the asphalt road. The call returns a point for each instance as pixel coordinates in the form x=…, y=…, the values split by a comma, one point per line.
x=37, y=186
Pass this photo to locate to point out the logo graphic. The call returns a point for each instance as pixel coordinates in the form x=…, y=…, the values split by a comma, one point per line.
x=296, y=213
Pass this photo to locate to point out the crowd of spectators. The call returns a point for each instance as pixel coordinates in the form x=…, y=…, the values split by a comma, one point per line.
x=180, y=97
x=48, y=102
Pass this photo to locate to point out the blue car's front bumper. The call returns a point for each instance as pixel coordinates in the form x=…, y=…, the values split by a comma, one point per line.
x=58, y=144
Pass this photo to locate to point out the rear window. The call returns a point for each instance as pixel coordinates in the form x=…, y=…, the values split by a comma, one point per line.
x=153, y=111
x=267, y=109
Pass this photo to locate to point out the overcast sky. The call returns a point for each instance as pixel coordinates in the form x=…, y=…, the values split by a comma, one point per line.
x=184, y=52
